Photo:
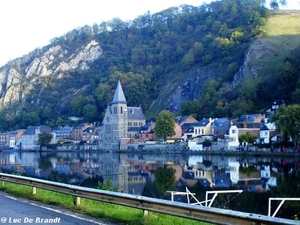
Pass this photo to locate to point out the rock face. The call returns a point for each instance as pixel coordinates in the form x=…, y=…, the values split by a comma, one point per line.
x=17, y=77
x=260, y=49
x=191, y=87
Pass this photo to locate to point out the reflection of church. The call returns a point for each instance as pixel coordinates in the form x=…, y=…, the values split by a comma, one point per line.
x=126, y=175
x=120, y=123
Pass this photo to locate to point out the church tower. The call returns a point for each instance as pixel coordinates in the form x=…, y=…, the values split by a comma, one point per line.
x=120, y=117
x=120, y=122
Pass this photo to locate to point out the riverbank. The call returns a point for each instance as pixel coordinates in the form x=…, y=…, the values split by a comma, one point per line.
x=257, y=153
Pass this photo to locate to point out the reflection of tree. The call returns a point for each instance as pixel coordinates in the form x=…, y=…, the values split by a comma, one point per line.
x=165, y=179
x=61, y=178
x=207, y=163
x=248, y=170
x=107, y=185
x=288, y=187
x=44, y=164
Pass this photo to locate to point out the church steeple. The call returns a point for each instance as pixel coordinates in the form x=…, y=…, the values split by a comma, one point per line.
x=119, y=96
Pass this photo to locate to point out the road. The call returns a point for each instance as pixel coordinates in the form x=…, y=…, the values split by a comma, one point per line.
x=21, y=211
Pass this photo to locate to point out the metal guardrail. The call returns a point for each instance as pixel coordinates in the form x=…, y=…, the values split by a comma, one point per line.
x=195, y=212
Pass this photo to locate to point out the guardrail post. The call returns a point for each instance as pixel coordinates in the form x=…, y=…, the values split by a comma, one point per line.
x=76, y=200
x=145, y=213
x=3, y=183
x=33, y=190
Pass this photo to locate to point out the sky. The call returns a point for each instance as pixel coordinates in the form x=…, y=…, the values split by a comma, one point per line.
x=27, y=25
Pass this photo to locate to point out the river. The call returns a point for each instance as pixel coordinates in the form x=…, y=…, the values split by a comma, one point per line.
x=258, y=177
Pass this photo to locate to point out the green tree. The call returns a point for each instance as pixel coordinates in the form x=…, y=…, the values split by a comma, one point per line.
x=77, y=104
x=247, y=138
x=165, y=179
x=44, y=138
x=30, y=119
x=165, y=125
x=47, y=115
x=89, y=113
x=287, y=121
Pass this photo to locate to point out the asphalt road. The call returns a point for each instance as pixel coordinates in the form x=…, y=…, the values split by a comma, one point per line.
x=21, y=211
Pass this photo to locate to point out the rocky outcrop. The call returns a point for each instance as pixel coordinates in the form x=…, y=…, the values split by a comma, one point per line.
x=17, y=77
x=259, y=51
x=191, y=87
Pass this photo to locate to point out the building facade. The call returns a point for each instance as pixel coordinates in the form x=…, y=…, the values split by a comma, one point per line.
x=120, y=123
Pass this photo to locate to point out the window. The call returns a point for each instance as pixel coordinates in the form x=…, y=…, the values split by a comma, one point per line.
x=121, y=110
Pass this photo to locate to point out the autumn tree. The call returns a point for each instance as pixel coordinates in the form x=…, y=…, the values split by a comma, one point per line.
x=165, y=125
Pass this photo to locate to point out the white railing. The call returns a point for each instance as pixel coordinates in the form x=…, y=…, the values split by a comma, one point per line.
x=282, y=200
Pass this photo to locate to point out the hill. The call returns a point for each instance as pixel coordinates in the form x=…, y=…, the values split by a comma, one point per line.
x=220, y=59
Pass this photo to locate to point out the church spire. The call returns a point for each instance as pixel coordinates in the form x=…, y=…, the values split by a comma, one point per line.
x=119, y=96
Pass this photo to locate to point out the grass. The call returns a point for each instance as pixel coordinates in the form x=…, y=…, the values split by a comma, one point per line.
x=283, y=30
x=96, y=209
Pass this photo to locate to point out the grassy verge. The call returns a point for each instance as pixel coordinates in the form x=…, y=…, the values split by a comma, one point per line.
x=96, y=209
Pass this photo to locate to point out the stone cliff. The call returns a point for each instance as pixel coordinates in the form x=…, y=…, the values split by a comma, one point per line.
x=19, y=75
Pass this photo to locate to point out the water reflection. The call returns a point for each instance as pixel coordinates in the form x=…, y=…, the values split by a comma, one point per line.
x=134, y=173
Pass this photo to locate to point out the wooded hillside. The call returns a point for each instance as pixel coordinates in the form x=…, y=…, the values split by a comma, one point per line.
x=151, y=52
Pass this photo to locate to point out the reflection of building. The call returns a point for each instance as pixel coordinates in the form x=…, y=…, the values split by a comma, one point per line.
x=121, y=122
x=109, y=168
x=129, y=173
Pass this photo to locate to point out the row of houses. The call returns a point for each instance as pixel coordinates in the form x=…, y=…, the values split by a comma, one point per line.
x=28, y=138
x=123, y=125
x=186, y=128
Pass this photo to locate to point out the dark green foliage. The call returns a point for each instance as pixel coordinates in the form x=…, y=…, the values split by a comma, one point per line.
x=44, y=138
x=164, y=125
x=287, y=120
x=165, y=179
x=247, y=138
x=107, y=185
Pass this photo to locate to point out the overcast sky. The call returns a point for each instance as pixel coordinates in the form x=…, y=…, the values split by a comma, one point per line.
x=29, y=24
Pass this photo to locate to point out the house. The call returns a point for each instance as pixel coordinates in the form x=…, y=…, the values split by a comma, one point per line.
x=220, y=127
x=90, y=134
x=185, y=122
x=201, y=128
x=62, y=133
x=185, y=119
x=31, y=135
x=244, y=124
x=276, y=104
x=77, y=131
x=121, y=123
x=147, y=132
x=267, y=131
x=4, y=139
x=233, y=137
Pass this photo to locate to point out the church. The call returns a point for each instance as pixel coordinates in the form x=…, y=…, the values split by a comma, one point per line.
x=121, y=123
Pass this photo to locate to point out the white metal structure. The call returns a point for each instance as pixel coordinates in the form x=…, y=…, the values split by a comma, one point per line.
x=188, y=193
x=281, y=203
